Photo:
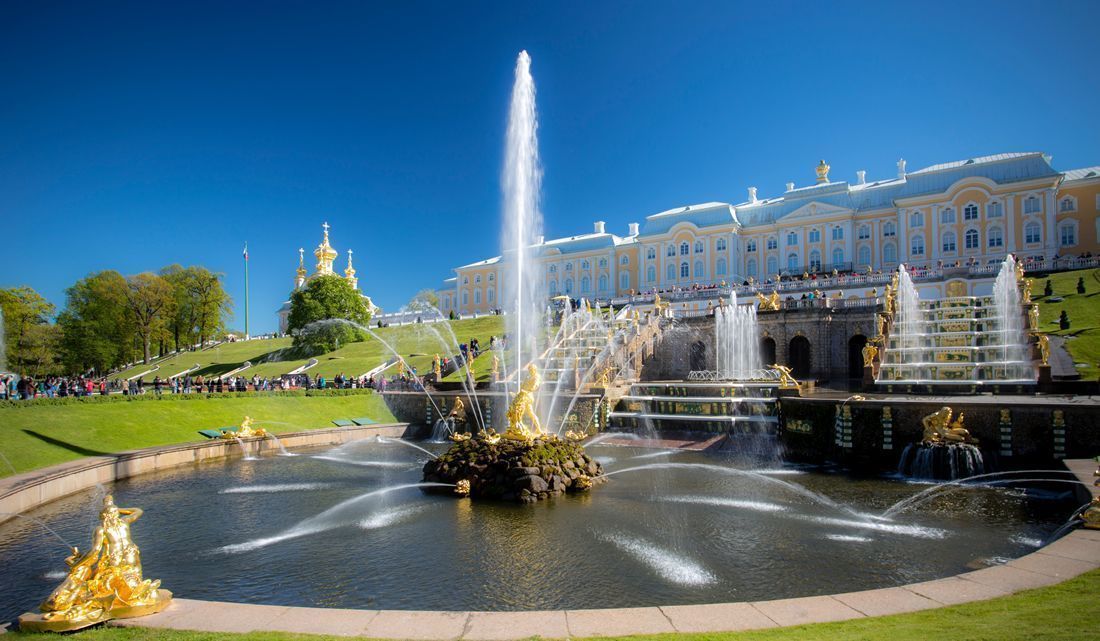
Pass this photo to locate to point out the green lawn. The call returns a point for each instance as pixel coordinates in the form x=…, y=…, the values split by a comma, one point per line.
x=416, y=343
x=1061, y=612
x=1083, y=336
x=41, y=434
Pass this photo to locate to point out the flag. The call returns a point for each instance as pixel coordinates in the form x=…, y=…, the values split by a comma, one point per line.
x=246, y=251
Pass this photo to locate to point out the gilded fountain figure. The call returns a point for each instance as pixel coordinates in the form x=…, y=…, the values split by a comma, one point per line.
x=523, y=407
x=940, y=428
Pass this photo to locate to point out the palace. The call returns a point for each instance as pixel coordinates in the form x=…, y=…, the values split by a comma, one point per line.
x=326, y=256
x=967, y=213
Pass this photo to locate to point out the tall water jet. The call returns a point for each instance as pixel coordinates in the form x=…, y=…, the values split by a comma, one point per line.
x=522, y=225
x=736, y=345
x=1011, y=337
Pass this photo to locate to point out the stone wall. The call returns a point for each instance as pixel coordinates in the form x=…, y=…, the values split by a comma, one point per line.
x=420, y=411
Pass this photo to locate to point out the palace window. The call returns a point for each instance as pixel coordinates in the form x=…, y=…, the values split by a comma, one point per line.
x=603, y=262
x=838, y=233
x=465, y=298
x=889, y=253
x=773, y=242
x=916, y=247
x=477, y=297
x=996, y=237
x=671, y=251
x=815, y=261
x=651, y=274
x=888, y=230
x=699, y=269
x=568, y=285
x=751, y=245
x=624, y=281
x=491, y=277
x=864, y=232
x=684, y=249
x=1067, y=204
x=625, y=260
x=585, y=265
x=465, y=280
x=720, y=245
x=815, y=235
x=553, y=269
x=670, y=273
x=651, y=253
x=792, y=262
x=585, y=285
x=949, y=245
x=1033, y=233
x=490, y=294
x=947, y=216
x=477, y=279
x=1031, y=205
x=916, y=219
x=569, y=267
x=838, y=257
x=603, y=282
x=553, y=287
x=1067, y=235
x=698, y=247
x=971, y=239
x=792, y=239
x=720, y=267
x=750, y=267
x=864, y=255
x=970, y=212
x=684, y=270
x=773, y=265
x=994, y=210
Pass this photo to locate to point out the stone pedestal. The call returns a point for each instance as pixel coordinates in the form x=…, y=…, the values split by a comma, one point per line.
x=1046, y=383
x=868, y=377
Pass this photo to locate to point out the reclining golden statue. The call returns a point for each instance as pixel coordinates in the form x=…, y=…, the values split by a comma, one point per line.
x=939, y=428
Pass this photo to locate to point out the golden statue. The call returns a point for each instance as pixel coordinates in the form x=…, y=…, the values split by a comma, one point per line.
x=880, y=324
x=870, y=352
x=244, y=431
x=576, y=437
x=939, y=428
x=604, y=379
x=786, y=381
x=102, y=584
x=400, y=366
x=523, y=406
x=458, y=411
x=495, y=373
x=437, y=367
x=459, y=437
x=768, y=303
x=658, y=304
x=462, y=487
x=1091, y=515
x=1025, y=297
x=1044, y=349
x=1033, y=316
x=1019, y=271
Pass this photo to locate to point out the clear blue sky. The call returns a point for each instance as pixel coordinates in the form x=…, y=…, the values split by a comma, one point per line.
x=135, y=135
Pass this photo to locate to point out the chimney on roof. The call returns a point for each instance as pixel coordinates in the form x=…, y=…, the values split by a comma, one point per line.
x=752, y=195
x=861, y=177
x=539, y=240
x=901, y=168
x=790, y=186
x=633, y=229
x=599, y=226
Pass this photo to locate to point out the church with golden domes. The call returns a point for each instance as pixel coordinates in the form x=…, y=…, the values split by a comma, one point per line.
x=326, y=256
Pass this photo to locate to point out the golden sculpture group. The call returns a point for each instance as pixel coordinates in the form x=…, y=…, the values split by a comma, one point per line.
x=523, y=407
x=786, y=380
x=940, y=429
x=245, y=431
x=768, y=303
x=103, y=583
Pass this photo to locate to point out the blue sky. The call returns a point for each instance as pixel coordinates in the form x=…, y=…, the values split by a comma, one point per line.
x=135, y=135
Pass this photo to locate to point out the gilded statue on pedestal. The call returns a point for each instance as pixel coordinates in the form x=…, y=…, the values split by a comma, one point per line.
x=1025, y=297
x=104, y=583
x=1044, y=348
x=786, y=381
x=436, y=367
x=939, y=428
x=870, y=352
x=523, y=407
x=768, y=303
x=495, y=373
x=458, y=411
x=1033, y=316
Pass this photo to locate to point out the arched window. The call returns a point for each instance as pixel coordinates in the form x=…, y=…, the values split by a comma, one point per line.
x=671, y=272
x=996, y=237
x=970, y=212
x=1067, y=234
x=815, y=235
x=651, y=274
x=585, y=265
x=490, y=294
x=625, y=260
x=916, y=219
x=585, y=285
x=949, y=245
x=651, y=253
x=465, y=298
x=792, y=238
x=1067, y=204
x=889, y=253
x=792, y=261
x=671, y=251
x=916, y=248
x=720, y=245
x=684, y=270
x=699, y=270
x=720, y=267
x=993, y=210
x=603, y=282
x=751, y=245
x=864, y=256
x=568, y=285
x=477, y=297
x=624, y=281
x=698, y=247
x=477, y=279
x=947, y=216
x=1031, y=205
x=603, y=262
x=465, y=280
x=773, y=242
x=838, y=257
x=888, y=230
x=838, y=233
x=569, y=267
x=815, y=261
x=553, y=287
x=1033, y=233
x=864, y=232
x=750, y=267
x=491, y=277
x=684, y=249
x=773, y=265
x=971, y=239
x=553, y=269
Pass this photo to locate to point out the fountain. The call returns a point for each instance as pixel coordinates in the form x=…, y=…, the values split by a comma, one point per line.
x=947, y=451
x=736, y=341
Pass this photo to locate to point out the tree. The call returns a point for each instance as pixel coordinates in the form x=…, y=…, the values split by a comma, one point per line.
x=1048, y=289
x=149, y=299
x=181, y=323
x=327, y=298
x=1063, y=320
x=1081, y=285
x=97, y=331
x=211, y=303
x=30, y=338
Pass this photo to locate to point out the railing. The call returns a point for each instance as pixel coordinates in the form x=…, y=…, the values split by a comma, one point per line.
x=762, y=374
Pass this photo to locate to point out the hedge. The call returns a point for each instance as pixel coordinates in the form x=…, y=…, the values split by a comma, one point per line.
x=168, y=397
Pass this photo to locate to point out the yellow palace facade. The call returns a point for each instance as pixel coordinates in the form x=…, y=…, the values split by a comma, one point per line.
x=964, y=213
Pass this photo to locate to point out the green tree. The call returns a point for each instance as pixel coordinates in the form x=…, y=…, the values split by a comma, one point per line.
x=149, y=298
x=30, y=338
x=210, y=302
x=327, y=298
x=97, y=331
x=181, y=323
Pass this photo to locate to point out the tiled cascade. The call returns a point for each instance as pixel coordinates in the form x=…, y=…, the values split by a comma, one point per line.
x=887, y=428
x=748, y=407
x=1059, y=430
x=1004, y=429
x=843, y=426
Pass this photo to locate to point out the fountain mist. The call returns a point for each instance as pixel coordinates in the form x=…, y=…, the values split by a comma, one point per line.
x=735, y=336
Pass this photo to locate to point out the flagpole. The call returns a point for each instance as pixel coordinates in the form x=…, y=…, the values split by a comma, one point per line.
x=246, y=334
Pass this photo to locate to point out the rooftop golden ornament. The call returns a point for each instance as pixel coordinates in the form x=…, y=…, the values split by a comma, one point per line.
x=822, y=172
x=104, y=583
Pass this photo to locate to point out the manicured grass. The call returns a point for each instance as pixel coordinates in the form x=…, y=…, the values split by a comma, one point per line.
x=1083, y=336
x=416, y=343
x=1061, y=612
x=36, y=436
